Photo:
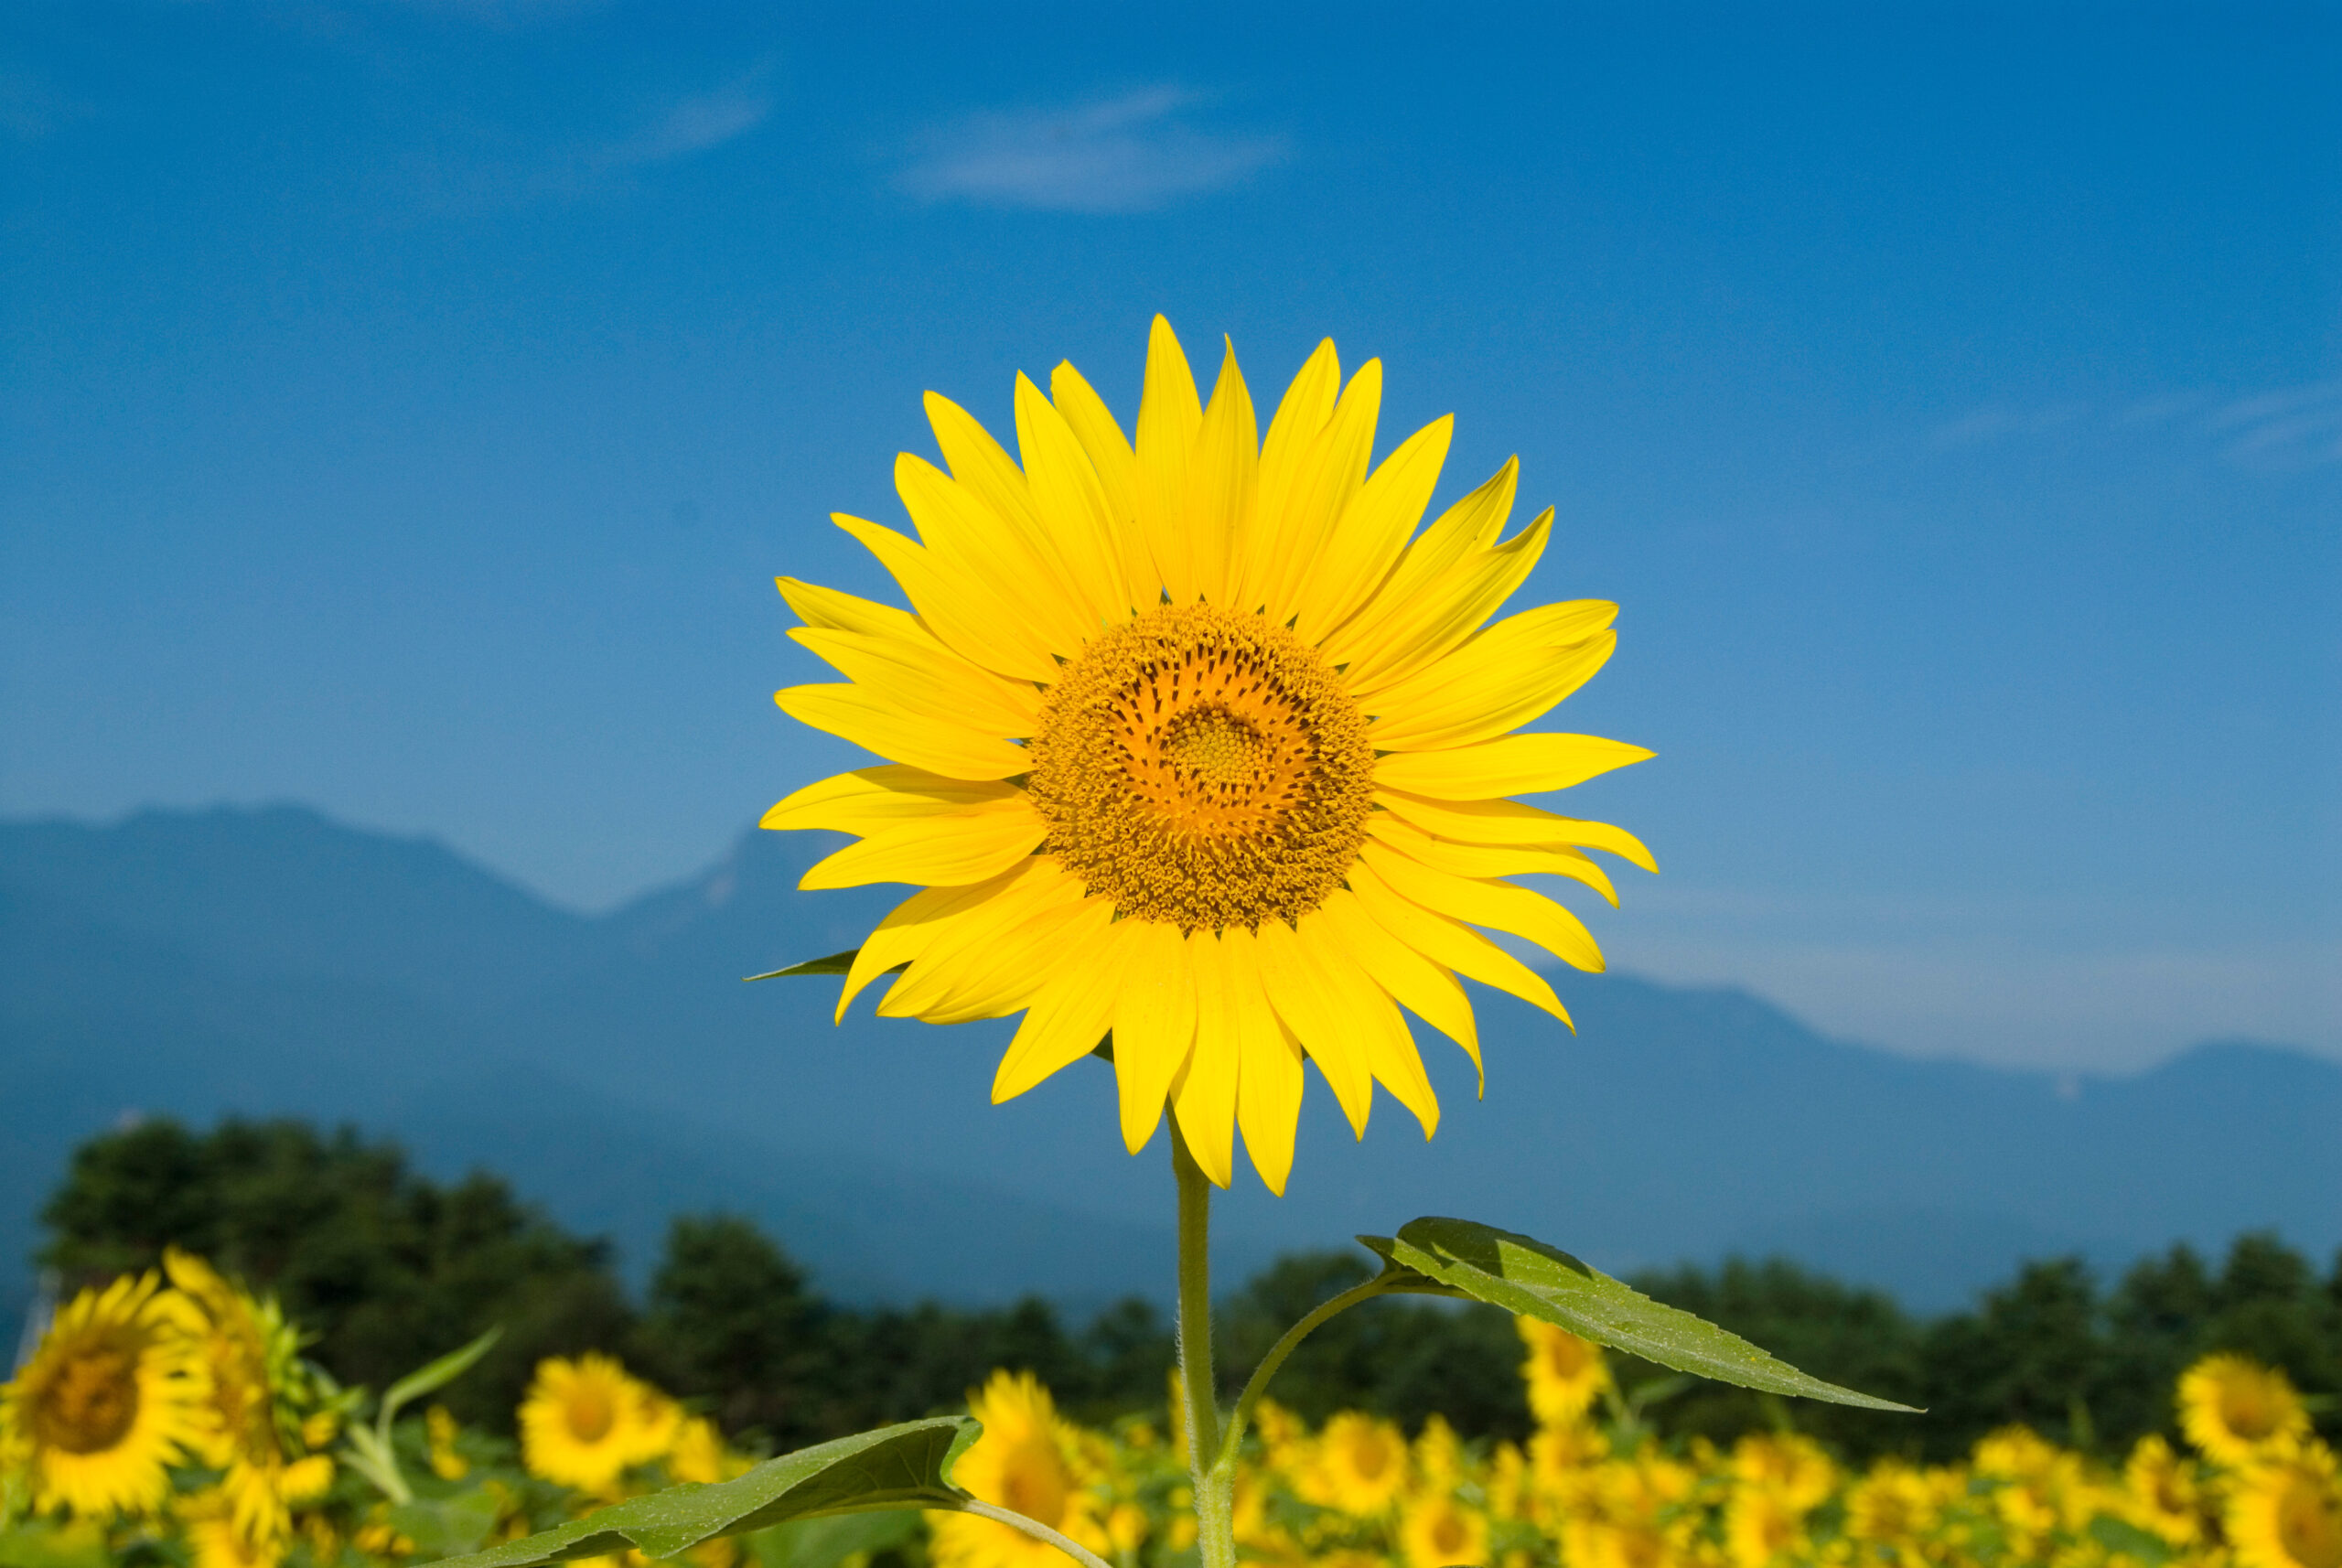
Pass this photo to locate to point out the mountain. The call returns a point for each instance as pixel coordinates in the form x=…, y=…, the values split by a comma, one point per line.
x=616, y=1068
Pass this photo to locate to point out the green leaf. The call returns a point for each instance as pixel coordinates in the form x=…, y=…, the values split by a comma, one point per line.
x=447, y=1527
x=905, y=1466
x=836, y=963
x=830, y=1539
x=2120, y=1535
x=38, y=1544
x=435, y=1375
x=1534, y=1280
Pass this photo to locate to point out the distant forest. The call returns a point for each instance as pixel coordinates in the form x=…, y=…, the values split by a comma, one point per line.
x=389, y=1268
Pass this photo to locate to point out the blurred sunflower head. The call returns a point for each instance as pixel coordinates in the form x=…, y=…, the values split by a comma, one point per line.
x=258, y=1394
x=2232, y=1408
x=1435, y=1530
x=584, y=1422
x=1760, y=1524
x=2286, y=1511
x=1193, y=739
x=1029, y=1461
x=2165, y=1495
x=1359, y=1465
x=1792, y=1468
x=1891, y=1504
x=1566, y=1373
x=110, y=1399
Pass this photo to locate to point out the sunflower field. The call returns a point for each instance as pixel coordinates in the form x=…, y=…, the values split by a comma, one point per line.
x=170, y=1419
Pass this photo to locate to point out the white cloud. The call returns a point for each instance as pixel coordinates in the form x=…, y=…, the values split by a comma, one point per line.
x=1130, y=154
x=2288, y=428
x=694, y=125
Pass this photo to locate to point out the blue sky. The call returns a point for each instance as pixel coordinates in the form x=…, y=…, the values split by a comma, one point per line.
x=407, y=408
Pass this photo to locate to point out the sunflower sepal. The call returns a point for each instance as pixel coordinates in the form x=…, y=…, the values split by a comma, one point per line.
x=1533, y=1279
x=831, y=963
x=903, y=1466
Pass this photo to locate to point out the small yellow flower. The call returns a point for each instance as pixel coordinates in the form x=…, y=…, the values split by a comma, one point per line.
x=110, y=1399
x=218, y=1543
x=439, y=1427
x=1027, y=1461
x=1358, y=1466
x=1566, y=1373
x=699, y=1454
x=1791, y=1467
x=2231, y=1408
x=1437, y=1532
x=2163, y=1492
x=584, y=1422
x=2286, y=1510
x=1760, y=1524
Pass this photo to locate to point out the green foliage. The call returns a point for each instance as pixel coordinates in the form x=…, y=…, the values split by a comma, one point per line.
x=1538, y=1280
x=897, y=1467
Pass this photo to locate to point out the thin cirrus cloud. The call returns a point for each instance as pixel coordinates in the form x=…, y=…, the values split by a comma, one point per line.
x=2288, y=428
x=694, y=125
x=1131, y=154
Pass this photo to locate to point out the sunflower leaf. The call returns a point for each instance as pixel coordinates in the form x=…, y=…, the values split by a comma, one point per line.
x=1534, y=1280
x=905, y=1466
x=834, y=963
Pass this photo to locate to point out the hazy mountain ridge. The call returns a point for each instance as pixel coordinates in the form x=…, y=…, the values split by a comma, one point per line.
x=616, y=1068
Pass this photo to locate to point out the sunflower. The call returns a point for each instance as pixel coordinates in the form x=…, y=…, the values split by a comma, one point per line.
x=1196, y=741
x=1891, y=1505
x=584, y=1422
x=257, y=1387
x=1566, y=1373
x=1028, y=1462
x=1437, y=1532
x=2286, y=1510
x=1358, y=1466
x=2232, y=1408
x=1793, y=1468
x=1759, y=1525
x=2163, y=1492
x=110, y=1399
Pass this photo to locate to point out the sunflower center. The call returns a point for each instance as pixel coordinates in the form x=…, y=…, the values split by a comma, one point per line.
x=91, y=1403
x=1204, y=768
x=592, y=1412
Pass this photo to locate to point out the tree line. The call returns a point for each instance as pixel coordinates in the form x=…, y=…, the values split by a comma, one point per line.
x=389, y=1268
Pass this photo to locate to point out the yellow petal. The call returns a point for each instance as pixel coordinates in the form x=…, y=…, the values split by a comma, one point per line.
x=969, y=619
x=1268, y=1079
x=952, y=750
x=1318, y=1009
x=971, y=845
x=1223, y=473
x=924, y=677
x=1324, y=485
x=1449, y=609
x=1389, y=1049
x=818, y=606
x=909, y=929
x=1116, y=465
x=1473, y=523
x=1451, y=942
x=1439, y=708
x=1425, y=988
x=991, y=963
x=1302, y=414
x=1155, y=1026
x=1511, y=822
x=870, y=799
x=975, y=545
x=1515, y=765
x=1072, y=505
x=1488, y=860
x=1497, y=905
x=1203, y=1098
x=1169, y=415
x=1372, y=530
x=1072, y=1013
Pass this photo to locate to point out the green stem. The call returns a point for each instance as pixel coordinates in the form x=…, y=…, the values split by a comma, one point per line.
x=1259, y=1382
x=1214, y=1485
x=1037, y=1531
